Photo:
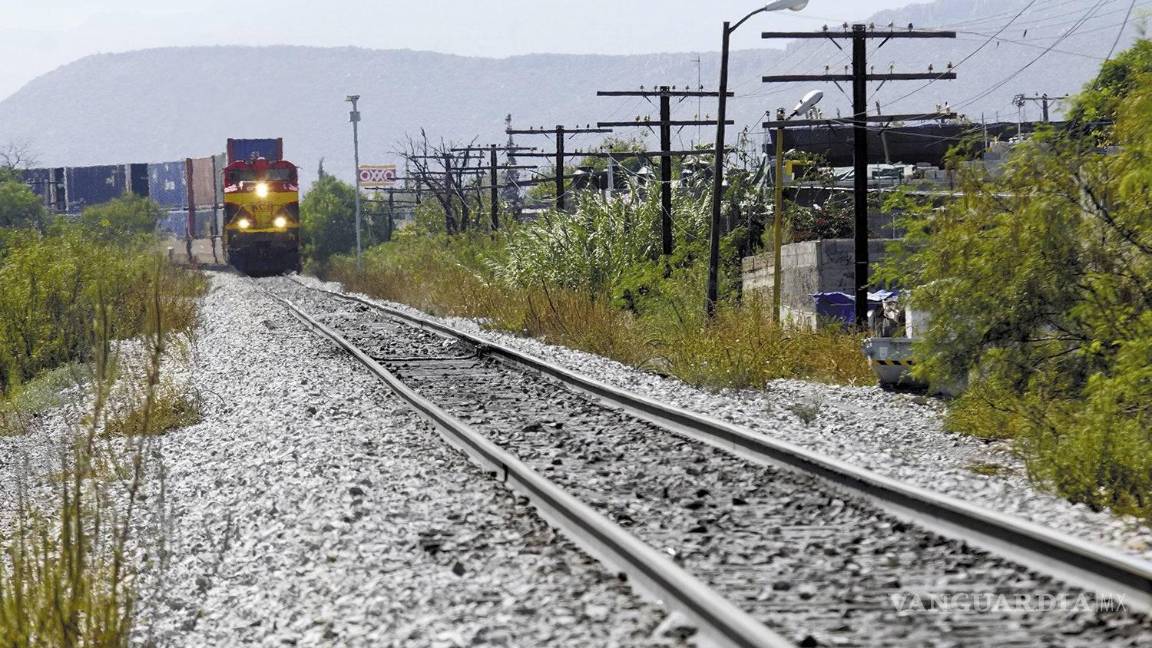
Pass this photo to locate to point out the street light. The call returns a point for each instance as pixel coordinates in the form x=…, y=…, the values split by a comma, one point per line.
x=806, y=104
x=718, y=176
x=354, y=117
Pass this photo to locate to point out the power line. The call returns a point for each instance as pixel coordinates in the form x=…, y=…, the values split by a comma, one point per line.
x=1127, y=16
x=1087, y=15
x=971, y=54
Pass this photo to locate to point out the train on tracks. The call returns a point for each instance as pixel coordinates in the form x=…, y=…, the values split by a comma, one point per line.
x=261, y=213
x=246, y=198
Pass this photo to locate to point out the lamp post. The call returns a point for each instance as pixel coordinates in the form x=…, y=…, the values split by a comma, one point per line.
x=806, y=104
x=354, y=117
x=718, y=175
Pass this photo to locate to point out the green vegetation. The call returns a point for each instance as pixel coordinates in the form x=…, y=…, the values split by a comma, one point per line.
x=66, y=566
x=123, y=218
x=51, y=285
x=328, y=216
x=1039, y=284
x=69, y=291
x=19, y=207
x=594, y=280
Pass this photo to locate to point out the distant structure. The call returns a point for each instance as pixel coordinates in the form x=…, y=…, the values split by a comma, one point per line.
x=511, y=191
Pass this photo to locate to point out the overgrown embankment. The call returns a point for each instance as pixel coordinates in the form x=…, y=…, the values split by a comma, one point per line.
x=1039, y=283
x=72, y=293
x=594, y=281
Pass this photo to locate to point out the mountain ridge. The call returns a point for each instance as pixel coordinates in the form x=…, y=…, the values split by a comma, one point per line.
x=173, y=102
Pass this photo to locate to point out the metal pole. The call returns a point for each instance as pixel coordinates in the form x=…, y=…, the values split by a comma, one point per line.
x=559, y=168
x=778, y=228
x=354, y=117
x=860, y=132
x=718, y=181
x=1044, y=104
x=391, y=213
x=666, y=171
x=494, y=196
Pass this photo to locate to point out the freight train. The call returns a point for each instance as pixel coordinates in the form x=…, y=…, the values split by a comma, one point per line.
x=248, y=198
x=261, y=211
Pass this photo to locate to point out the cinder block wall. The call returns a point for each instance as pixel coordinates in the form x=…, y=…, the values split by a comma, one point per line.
x=808, y=268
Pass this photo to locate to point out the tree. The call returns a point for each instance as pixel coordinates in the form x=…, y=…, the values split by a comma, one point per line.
x=19, y=206
x=1101, y=98
x=124, y=217
x=1039, y=284
x=328, y=219
x=17, y=155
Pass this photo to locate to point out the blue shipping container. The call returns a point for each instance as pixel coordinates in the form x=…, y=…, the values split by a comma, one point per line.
x=168, y=184
x=88, y=186
x=250, y=149
x=39, y=181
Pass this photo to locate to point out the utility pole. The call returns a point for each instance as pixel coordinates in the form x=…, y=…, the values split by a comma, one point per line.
x=1043, y=100
x=860, y=35
x=665, y=94
x=354, y=117
x=561, y=133
x=451, y=171
x=494, y=168
x=494, y=196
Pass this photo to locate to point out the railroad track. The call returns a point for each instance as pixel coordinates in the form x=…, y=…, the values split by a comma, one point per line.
x=738, y=531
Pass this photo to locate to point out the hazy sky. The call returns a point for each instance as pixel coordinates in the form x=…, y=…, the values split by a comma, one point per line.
x=36, y=37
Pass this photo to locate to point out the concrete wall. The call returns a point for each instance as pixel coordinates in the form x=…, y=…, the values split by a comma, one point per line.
x=808, y=268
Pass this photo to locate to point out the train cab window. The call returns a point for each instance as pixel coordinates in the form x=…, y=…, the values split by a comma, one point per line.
x=281, y=175
x=236, y=176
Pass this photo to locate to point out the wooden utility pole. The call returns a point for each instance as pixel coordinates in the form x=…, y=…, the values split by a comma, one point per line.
x=665, y=94
x=561, y=135
x=453, y=175
x=493, y=179
x=860, y=35
x=1019, y=101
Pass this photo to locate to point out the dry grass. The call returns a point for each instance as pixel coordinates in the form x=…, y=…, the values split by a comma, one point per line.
x=67, y=573
x=170, y=409
x=741, y=348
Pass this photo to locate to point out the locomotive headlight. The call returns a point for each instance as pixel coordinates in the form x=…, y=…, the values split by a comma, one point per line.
x=280, y=222
x=261, y=190
x=243, y=223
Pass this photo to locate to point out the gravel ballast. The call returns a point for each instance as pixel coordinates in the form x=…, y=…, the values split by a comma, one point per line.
x=812, y=562
x=897, y=435
x=311, y=508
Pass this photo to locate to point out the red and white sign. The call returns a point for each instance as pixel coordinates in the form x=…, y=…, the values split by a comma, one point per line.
x=377, y=176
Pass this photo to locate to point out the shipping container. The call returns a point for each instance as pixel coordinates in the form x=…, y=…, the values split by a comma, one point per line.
x=48, y=184
x=250, y=149
x=40, y=182
x=88, y=186
x=168, y=185
x=138, y=179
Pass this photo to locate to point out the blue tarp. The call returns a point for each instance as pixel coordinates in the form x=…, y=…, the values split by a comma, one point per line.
x=842, y=306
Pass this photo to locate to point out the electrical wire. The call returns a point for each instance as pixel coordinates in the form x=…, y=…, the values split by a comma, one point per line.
x=1071, y=30
x=1127, y=17
x=974, y=52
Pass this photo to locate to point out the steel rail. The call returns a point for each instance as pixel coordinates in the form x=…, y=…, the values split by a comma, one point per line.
x=1098, y=569
x=718, y=620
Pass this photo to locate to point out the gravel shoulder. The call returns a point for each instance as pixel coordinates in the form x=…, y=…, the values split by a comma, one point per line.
x=311, y=508
x=897, y=435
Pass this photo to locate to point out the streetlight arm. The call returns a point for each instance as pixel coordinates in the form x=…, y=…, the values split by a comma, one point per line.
x=792, y=5
x=746, y=18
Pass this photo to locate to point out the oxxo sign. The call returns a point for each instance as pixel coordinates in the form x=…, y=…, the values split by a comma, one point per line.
x=377, y=176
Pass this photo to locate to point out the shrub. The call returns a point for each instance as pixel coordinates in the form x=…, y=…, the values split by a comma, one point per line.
x=1039, y=288
x=122, y=218
x=19, y=207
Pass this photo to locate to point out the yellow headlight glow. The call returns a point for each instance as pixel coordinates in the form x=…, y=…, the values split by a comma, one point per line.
x=280, y=222
x=243, y=223
x=261, y=190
